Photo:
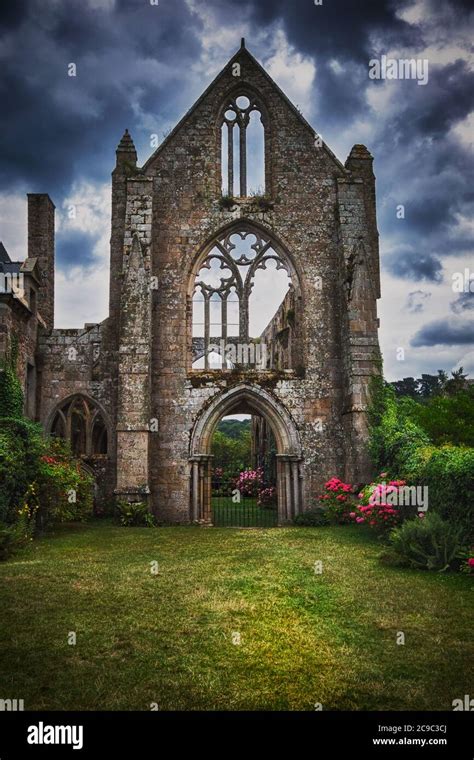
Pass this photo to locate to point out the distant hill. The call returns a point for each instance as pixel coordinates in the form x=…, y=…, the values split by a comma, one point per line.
x=234, y=428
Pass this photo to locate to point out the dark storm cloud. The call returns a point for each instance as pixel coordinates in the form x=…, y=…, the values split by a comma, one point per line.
x=133, y=59
x=341, y=28
x=57, y=128
x=443, y=332
x=417, y=162
x=412, y=265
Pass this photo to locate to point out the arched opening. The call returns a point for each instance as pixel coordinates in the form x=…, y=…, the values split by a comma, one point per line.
x=245, y=303
x=242, y=146
x=275, y=448
x=80, y=421
x=243, y=481
x=79, y=415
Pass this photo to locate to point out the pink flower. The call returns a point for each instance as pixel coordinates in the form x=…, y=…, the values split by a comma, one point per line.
x=359, y=519
x=352, y=514
x=421, y=514
x=470, y=562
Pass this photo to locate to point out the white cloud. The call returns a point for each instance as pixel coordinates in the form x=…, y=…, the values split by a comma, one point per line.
x=292, y=71
x=13, y=233
x=398, y=325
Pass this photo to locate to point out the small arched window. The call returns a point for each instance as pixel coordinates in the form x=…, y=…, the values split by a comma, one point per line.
x=79, y=421
x=243, y=147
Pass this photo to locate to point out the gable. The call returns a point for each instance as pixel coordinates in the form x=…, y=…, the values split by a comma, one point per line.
x=252, y=72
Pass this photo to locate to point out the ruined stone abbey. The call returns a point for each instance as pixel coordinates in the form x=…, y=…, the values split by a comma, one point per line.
x=187, y=339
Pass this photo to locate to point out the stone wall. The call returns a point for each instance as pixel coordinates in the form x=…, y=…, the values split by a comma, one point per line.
x=137, y=365
x=306, y=217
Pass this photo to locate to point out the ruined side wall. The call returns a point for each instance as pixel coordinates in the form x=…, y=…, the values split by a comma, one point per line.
x=77, y=361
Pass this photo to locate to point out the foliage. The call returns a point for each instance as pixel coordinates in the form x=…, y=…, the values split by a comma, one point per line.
x=64, y=490
x=226, y=202
x=449, y=473
x=312, y=518
x=394, y=437
x=11, y=393
x=263, y=202
x=21, y=446
x=445, y=419
x=399, y=445
x=42, y=471
x=232, y=454
x=466, y=556
x=382, y=505
x=134, y=514
x=267, y=497
x=232, y=428
x=337, y=501
x=430, y=386
x=430, y=543
x=250, y=482
x=18, y=535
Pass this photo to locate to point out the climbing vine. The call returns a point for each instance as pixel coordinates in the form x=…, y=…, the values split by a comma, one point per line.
x=11, y=393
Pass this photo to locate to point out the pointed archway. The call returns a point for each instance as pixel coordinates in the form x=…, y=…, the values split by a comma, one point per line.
x=244, y=399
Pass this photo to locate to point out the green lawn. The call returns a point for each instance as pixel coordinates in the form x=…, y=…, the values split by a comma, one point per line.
x=245, y=514
x=168, y=638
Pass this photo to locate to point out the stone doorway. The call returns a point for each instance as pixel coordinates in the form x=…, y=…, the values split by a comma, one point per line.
x=245, y=399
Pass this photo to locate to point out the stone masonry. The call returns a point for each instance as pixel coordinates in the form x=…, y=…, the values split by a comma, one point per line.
x=135, y=369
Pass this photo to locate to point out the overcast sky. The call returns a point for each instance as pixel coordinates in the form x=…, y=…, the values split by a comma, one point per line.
x=141, y=66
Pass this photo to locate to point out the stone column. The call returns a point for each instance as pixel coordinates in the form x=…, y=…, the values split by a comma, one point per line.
x=134, y=417
x=201, y=488
x=361, y=288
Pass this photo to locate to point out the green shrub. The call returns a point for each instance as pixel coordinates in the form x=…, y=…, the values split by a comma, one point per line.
x=134, y=514
x=21, y=447
x=312, y=518
x=449, y=473
x=19, y=534
x=43, y=471
x=64, y=492
x=430, y=543
x=399, y=446
x=11, y=393
x=445, y=419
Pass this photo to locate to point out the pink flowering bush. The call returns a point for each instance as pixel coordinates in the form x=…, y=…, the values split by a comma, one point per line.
x=338, y=501
x=467, y=560
x=250, y=482
x=267, y=497
x=379, y=505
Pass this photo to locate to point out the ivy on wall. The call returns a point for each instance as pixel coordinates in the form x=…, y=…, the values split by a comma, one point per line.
x=11, y=392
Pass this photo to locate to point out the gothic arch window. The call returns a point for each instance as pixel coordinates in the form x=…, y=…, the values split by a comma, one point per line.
x=243, y=146
x=80, y=421
x=242, y=286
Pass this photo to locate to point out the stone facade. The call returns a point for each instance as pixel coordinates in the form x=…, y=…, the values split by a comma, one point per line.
x=136, y=368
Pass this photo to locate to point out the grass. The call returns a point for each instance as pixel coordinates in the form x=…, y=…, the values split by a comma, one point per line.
x=168, y=638
x=245, y=514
